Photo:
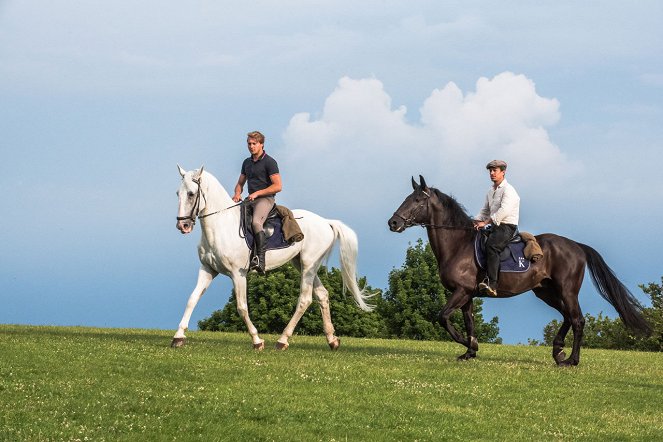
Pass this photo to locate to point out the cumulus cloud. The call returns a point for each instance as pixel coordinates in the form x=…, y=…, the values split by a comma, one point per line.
x=361, y=143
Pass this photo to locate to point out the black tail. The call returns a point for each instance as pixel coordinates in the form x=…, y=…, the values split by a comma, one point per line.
x=613, y=291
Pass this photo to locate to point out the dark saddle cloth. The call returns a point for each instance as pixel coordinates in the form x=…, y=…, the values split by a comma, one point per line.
x=273, y=228
x=512, y=258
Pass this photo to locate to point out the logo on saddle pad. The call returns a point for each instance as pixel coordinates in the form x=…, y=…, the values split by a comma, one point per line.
x=512, y=258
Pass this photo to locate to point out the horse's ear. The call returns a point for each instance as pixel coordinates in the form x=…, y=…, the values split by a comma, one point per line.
x=182, y=171
x=422, y=182
x=414, y=184
x=198, y=173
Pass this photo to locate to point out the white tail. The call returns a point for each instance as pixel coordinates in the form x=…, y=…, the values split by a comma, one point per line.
x=349, y=246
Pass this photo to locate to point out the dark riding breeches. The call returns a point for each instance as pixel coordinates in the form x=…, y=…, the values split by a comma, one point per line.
x=499, y=238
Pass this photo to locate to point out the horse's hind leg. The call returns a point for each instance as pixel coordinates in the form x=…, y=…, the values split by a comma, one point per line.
x=578, y=326
x=322, y=295
x=553, y=299
x=205, y=277
x=304, y=301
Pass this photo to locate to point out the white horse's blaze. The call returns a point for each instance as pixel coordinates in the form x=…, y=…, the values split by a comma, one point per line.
x=222, y=250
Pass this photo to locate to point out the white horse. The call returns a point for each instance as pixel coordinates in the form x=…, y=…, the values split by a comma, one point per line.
x=222, y=250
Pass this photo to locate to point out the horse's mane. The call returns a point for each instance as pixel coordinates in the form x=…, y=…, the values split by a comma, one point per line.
x=456, y=213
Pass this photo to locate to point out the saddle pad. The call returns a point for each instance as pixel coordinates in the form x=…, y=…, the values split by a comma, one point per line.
x=515, y=262
x=275, y=241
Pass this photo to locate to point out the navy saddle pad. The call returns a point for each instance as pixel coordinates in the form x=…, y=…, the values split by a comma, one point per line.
x=273, y=228
x=513, y=260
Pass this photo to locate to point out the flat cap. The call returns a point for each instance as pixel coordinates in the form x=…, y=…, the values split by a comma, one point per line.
x=496, y=163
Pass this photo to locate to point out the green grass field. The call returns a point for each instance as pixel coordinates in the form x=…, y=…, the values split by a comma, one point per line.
x=71, y=383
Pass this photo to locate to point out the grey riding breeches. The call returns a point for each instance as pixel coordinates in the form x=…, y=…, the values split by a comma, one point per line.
x=261, y=208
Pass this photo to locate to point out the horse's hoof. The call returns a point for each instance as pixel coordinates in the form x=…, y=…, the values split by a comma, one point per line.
x=260, y=346
x=467, y=356
x=559, y=357
x=335, y=344
x=178, y=342
x=282, y=346
x=567, y=363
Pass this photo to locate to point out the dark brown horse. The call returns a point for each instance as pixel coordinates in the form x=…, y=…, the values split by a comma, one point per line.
x=555, y=279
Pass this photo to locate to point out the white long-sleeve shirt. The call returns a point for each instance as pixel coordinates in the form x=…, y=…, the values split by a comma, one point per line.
x=502, y=205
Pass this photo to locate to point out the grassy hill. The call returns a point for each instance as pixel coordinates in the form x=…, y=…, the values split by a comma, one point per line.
x=72, y=383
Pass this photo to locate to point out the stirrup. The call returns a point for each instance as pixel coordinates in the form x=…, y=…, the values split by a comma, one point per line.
x=486, y=289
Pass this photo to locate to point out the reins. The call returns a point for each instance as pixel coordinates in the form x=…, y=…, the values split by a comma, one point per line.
x=438, y=226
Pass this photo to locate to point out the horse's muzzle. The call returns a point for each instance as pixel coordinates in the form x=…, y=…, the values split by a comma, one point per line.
x=184, y=226
x=396, y=224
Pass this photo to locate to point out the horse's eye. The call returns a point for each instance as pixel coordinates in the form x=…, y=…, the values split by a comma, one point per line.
x=190, y=194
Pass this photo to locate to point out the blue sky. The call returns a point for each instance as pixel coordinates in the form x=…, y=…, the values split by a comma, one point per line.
x=99, y=101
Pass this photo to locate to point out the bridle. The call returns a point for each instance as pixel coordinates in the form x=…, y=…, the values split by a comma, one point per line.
x=195, y=210
x=409, y=221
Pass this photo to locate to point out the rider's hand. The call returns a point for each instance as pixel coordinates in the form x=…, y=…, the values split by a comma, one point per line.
x=237, y=198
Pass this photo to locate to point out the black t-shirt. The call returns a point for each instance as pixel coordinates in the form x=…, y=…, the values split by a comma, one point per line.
x=257, y=173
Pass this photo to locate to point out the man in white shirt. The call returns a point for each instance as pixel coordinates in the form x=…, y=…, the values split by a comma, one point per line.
x=501, y=209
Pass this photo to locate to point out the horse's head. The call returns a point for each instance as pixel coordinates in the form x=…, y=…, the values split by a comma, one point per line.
x=191, y=199
x=414, y=210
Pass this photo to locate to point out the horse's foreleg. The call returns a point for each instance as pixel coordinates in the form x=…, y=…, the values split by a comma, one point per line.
x=205, y=277
x=239, y=284
x=472, y=344
x=458, y=298
x=322, y=295
x=305, y=299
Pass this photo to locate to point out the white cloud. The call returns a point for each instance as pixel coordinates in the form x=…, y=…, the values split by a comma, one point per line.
x=361, y=134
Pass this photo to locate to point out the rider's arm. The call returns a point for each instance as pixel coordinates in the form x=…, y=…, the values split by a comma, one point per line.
x=238, y=187
x=509, y=207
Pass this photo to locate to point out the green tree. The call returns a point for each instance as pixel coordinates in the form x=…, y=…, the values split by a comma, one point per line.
x=272, y=301
x=416, y=296
x=654, y=316
x=604, y=332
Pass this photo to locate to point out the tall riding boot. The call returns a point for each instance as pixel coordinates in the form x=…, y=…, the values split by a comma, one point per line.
x=489, y=286
x=260, y=245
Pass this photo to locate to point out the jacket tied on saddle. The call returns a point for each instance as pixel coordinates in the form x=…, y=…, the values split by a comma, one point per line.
x=291, y=231
x=532, y=250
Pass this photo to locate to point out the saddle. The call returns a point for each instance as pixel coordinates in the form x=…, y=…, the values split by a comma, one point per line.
x=512, y=258
x=273, y=227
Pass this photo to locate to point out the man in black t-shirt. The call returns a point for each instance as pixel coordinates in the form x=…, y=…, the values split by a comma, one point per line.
x=262, y=173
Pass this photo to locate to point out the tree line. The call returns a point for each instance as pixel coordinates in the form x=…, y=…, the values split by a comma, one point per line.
x=408, y=309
